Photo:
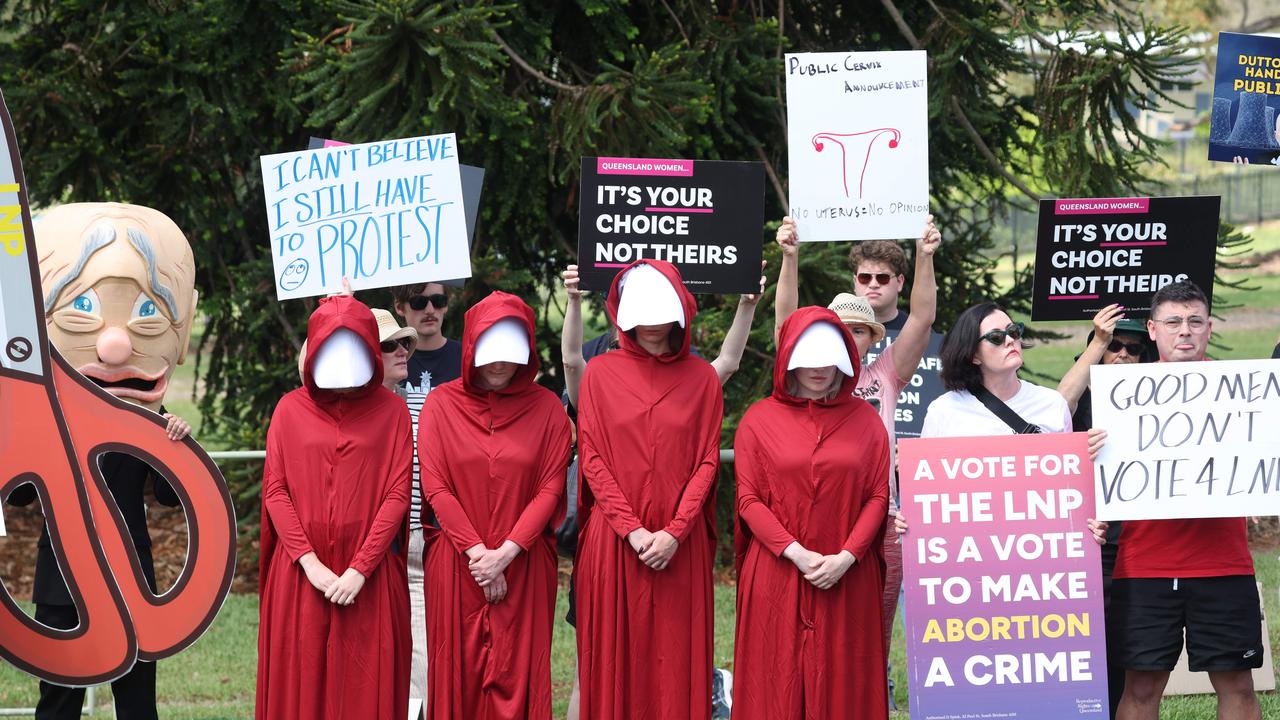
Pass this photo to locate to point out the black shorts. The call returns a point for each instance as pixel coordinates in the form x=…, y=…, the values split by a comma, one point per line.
x=1220, y=615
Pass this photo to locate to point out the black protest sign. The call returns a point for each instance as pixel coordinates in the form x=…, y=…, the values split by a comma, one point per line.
x=924, y=387
x=705, y=216
x=1093, y=252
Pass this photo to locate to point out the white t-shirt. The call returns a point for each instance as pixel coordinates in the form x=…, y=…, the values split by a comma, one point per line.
x=959, y=414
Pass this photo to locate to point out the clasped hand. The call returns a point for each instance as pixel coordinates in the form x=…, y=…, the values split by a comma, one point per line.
x=654, y=549
x=488, y=565
x=822, y=571
x=337, y=590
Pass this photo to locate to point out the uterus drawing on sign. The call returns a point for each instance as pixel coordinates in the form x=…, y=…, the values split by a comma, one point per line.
x=856, y=146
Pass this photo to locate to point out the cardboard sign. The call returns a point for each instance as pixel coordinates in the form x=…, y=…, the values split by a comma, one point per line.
x=1188, y=439
x=472, y=186
x=1092, y=252
x=380, y=213
x=858, y=144
x=705, y=216
x=924, y=388
x=1003, y=580
x=1245, y=125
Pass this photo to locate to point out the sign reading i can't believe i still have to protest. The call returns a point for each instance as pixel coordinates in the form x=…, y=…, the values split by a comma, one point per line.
x=704, y=216
x=381, y=213
x=1092, y=252
x=1003, y=579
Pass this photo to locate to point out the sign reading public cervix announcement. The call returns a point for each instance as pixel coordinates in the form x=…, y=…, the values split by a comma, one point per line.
x=380, y=213
x=702, y=215
x=1188, y=440
x=1003, y=579
x=858, y=144
x=924, y=387
x=1092, y=252
x=1245, y=125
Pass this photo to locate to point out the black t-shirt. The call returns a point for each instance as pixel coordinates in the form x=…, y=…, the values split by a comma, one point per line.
x=433, y=368
x=895, y=325
x=1275, y=354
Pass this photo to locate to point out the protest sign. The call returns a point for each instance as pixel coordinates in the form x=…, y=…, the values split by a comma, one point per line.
x=924, y=387
x=472, y=185
x=858, y=144
x=1188, y=439
x=705, y=216
x=380, y=213
x=1092, y=252
x=1245, y=125
x=1003, y=580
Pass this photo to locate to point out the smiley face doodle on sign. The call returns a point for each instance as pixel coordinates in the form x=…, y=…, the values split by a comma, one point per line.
x=120, y=301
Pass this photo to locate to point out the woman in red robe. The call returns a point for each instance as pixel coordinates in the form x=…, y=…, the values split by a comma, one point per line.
x=333, y=640
x=649, y=446
x=813, y=464
x=494, y=447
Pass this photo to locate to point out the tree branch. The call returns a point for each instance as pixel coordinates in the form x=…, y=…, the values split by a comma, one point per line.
x=515, y=57
x=959, y=112
x=773, y=178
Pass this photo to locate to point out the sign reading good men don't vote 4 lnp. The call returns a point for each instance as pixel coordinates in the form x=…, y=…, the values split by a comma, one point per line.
x=704, y=216
x=858, y=144
x=380, y=213
x=1188, y=439
x=1092, y=252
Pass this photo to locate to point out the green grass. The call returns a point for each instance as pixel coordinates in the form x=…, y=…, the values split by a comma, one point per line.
x=215, y=677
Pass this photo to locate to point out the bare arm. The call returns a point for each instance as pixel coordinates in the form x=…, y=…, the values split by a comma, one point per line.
x=571, y=335
x=1076, y=381
x=735, y=341
x=913, y=340
x=788, y=295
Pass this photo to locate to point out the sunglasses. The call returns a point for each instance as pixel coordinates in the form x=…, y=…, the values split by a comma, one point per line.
x=1134, y=349
x=881, y=278
x=438, y=300
x=997, y=337
x=389, y=346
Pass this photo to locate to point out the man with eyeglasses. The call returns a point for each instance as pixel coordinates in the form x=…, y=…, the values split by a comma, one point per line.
x=879, y=274
x=436, y=361
x=1194, y=576
x=1114, y=340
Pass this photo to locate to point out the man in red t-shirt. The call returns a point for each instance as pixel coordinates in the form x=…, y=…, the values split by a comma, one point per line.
x=1195, y=576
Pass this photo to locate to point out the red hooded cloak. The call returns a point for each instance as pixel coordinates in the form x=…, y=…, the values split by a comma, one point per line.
x=649, y=446
x=814, y=472
x=336, y=483
x=493, y=466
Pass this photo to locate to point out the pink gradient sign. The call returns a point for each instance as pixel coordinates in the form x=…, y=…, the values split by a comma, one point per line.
x=1003, y=579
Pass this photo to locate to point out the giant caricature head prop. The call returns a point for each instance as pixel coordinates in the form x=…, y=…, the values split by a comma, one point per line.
x=119, y=295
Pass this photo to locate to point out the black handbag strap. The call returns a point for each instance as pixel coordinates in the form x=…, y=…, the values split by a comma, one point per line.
x=1003, y=411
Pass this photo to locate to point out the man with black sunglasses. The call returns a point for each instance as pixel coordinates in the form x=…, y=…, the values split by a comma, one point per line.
x=436, y=361
x=1114, y=340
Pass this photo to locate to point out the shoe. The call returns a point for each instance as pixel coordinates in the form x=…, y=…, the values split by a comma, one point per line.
x=721, y=694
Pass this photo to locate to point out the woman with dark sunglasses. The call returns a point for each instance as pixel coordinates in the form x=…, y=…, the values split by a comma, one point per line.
x=980, y=357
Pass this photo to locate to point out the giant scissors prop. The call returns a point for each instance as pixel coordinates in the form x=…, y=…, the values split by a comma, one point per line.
x=54, y=423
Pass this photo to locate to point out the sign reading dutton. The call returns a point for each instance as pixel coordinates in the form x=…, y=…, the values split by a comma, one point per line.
x=379, y=213
x=1003, y=579
x=705, y=216
x=1245, y=125
x=858, y=144
x=1188, y=439
x=925, y=385
x=1092, y=252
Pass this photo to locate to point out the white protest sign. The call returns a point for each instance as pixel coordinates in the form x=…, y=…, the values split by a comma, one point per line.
x=380, y=213
x=858, y=144
x=1188, y=439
